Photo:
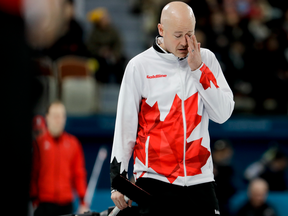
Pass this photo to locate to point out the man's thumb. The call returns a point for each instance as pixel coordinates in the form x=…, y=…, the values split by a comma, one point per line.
x=130, y=203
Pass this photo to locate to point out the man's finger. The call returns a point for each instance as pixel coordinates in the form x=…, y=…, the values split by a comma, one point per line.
x=195, y=43
x=130, y=203
x=121, y=204
x=190, y=50
x=190, y=44
x=119, y=200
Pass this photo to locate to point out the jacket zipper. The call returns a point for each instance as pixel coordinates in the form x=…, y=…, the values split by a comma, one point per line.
x=184, y=124
x=146, y=151
x=56, y=170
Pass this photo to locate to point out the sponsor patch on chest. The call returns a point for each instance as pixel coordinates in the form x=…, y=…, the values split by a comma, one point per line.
x=156, y=76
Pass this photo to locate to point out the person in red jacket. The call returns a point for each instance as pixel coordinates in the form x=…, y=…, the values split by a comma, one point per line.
x=58, y=167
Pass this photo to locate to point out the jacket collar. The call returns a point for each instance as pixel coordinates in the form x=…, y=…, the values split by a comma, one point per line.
x=54, y=138
x=162, y=52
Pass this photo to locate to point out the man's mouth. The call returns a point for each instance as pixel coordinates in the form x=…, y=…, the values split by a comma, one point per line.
x=183, y=50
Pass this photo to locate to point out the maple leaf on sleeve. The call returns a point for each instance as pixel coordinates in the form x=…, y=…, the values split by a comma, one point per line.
x=206, y=77
x=115, y=168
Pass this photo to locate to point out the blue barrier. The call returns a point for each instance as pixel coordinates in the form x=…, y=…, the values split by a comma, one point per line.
x=274, y=127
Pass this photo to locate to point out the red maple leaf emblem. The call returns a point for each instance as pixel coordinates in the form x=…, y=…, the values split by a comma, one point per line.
x=166, y=147
x=206, y=77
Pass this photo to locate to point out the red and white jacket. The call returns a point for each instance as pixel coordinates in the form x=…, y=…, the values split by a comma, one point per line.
x=163, y=115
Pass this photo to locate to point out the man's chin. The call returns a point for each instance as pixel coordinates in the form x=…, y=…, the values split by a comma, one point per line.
x=182, y=55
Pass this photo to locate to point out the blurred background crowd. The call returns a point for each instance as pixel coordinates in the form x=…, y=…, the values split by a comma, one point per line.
x=75, y=51
x=249, y=38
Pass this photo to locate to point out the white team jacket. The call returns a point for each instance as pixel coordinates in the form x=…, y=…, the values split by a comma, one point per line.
x=163, y=114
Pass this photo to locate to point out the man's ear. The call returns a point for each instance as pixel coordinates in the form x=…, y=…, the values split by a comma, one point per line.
x=160, y=29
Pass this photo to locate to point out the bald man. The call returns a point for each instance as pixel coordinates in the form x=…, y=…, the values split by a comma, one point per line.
x=168, y=94
x=256, y=205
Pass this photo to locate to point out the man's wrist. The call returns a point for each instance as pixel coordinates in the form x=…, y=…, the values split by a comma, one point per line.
x=114, y=190
x=201, y=65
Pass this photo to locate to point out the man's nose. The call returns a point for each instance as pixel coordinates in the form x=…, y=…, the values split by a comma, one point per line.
x=184, y=41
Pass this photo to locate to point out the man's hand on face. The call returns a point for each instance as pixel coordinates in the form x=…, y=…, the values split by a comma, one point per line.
x=194, y=59
x=118, y=199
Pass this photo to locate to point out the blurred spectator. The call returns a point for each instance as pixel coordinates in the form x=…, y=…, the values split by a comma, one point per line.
x=271, y=167
x=223, y=173
x=58, y=167
x=71, y=41
x=45, y=21
x=105, y=45
x=218, y=31
x=201, y=10
x=201, y=37
x=151, y=11
x=257, y=205
x=38, y=126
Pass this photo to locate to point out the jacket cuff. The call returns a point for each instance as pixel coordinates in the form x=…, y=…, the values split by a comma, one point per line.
x=197, y=73
x=199, y=67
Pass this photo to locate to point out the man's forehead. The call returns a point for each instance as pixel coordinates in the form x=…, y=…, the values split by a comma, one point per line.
x=56, y=108
x=191, y=31
x=180, y=24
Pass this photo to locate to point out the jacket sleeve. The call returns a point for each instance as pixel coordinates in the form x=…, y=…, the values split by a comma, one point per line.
x=34, y=174
x=79, y=171
x=214, y=89
x=126, y=121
